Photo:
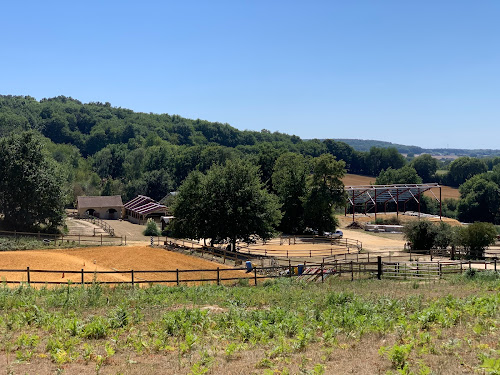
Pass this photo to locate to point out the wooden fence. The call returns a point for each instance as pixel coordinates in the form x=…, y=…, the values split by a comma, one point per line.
x=99, y=222
x=77, y=239
x=422, y=271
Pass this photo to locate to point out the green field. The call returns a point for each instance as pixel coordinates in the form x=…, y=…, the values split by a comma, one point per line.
x=282, y=327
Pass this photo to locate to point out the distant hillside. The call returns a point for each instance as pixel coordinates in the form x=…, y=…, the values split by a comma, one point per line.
x=366, y=144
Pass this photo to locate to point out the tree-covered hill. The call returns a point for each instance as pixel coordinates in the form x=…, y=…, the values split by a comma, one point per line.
x=107, y=149
x=101, y=149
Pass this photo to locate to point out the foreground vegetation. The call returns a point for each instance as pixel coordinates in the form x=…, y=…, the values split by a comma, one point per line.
x=280, y=327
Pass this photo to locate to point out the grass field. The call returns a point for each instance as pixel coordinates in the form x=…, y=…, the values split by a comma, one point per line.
x=282, y=327
x=446, y=191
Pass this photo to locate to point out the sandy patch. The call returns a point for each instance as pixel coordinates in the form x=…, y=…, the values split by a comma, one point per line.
x=108, y=258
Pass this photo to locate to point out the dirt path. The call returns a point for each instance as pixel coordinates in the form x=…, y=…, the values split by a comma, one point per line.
x=375, y=243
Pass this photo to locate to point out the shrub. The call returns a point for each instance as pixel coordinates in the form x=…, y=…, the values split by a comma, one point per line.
x=151, y=228
x=421, y=234
x=475, y=238
x=391, y=220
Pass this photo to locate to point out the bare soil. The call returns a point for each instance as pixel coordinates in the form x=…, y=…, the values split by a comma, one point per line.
x=108, y=258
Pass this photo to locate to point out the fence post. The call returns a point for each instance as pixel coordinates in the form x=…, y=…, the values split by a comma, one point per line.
x=28, y=275
x=470, y=264
x=132, y=275
x=323, y=272
x=289, y=268
x=177, y=276
x=310, y=253
x=495, y=264
x=218, y=276
x=78, y=238
x=379, y=267
x=431, y=254
x=352, y=272
x=83, y=280
x=255, y=275
x=440, y=270
x=101, y=239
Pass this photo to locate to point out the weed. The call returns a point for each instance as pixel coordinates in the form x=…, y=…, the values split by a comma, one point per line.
x=397, y=354
x=97, y=328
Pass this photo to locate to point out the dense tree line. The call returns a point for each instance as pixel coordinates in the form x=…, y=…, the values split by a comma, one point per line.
x=101, y=149
x=105, y=149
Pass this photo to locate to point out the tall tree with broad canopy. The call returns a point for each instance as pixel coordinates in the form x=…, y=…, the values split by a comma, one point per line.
x=475, y=238
x=404, y=175
x=289, y=182
x=480, y=200
x=229, y=203
x=31, y=194
x=426, y=166
x=463, y=168
x=326, y=192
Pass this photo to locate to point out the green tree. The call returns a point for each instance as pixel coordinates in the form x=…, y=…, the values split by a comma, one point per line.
x=421, y=234
x=31, y=193
x=151, y=228
x=464, y=168
x=289, y=182
x=191, y=211
x=475, y=238
x=379, y=159
x=404, y=175
x=326, y=192
x=425, y=166
x=233, y=204
x=479, y=200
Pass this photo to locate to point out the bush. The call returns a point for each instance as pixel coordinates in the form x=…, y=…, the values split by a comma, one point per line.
x=151, y=228
x=391, y=220
x=475, y=238
x=421, y=234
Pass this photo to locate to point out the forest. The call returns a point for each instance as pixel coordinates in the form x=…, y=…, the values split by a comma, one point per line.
x=103, y=150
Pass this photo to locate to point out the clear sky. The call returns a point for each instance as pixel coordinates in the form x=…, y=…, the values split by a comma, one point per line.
x=423, y=72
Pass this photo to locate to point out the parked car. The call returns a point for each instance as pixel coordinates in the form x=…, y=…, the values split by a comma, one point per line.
x=336, y=234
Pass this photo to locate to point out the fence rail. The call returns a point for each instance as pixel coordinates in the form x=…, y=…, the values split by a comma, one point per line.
x=423, y=271
x=71, y=238
x=99, y=222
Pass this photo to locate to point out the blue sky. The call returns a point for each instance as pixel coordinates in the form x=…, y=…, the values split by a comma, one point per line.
x=424, y=72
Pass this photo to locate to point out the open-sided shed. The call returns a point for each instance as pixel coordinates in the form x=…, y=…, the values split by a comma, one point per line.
x=141, y=208
x=368, y=198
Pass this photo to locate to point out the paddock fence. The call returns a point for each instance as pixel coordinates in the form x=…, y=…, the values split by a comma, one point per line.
x=309, y=272
x=73, y=239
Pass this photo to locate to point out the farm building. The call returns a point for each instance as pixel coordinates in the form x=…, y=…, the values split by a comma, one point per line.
x=368, y=198
x=104, y=207
x=142, y=208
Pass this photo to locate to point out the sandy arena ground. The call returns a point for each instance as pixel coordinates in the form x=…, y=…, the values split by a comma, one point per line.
x=122, y=258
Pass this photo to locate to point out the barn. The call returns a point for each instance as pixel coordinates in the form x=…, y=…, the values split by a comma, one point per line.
x=104, y=207
x=142, y=208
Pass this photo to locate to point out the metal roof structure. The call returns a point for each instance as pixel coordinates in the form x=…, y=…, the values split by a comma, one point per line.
x=369, y=194
x=138, y=201
x=141, y=206
x=149, y=208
